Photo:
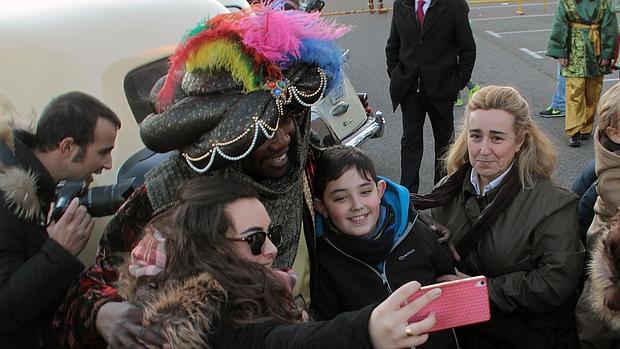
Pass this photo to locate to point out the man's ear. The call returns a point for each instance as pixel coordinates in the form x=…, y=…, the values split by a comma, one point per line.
x=381, y=185
x=320, y=207
x=67, y=147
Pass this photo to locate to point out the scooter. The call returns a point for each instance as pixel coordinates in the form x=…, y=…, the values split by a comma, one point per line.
x=344, y=116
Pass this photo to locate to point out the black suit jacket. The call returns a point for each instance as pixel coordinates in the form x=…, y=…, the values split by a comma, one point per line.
x=438, y=59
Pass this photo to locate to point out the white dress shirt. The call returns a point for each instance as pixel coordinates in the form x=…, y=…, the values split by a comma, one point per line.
x=487, y=188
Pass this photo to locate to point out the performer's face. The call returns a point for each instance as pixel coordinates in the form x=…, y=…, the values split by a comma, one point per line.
x=271, y=159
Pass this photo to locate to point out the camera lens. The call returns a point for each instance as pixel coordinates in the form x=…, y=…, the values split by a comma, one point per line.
x=105, y=200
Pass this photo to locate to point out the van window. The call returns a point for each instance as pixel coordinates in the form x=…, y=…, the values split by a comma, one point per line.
x=138, y=84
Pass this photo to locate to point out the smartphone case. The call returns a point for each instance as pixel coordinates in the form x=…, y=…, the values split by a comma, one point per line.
x=462, y=302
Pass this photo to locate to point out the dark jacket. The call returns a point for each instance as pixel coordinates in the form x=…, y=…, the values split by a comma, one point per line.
x=439, y=59
x=346, y=283
x=533, y=258
x=35, y=271
x=347, y=330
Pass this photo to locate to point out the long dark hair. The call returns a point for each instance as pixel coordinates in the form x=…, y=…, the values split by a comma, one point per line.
x=197, y=227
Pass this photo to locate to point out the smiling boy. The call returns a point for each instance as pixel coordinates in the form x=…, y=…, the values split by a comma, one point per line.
x=370, y=240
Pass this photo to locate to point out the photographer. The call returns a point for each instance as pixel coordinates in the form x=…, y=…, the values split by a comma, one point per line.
x=38, y=259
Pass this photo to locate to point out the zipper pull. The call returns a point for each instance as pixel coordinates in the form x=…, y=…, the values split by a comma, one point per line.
x=418, y=89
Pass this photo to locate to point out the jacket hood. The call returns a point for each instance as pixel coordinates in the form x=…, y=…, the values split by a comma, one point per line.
x=18, y=185
x=604, y=158
x=396, y=196
x=607, y=167
x=601, y=273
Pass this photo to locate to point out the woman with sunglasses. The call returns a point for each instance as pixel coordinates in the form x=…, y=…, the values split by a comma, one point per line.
x=203, y=275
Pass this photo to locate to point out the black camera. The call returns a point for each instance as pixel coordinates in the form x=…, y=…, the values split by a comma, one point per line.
x=99, y=201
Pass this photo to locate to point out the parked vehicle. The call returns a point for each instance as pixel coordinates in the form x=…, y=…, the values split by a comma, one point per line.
x=336, y=119
x=116, y=50
x=234, y=5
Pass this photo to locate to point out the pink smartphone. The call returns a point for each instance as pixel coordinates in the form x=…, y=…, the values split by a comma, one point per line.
x=462, y=302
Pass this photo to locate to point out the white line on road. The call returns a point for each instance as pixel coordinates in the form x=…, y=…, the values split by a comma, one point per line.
x=544, y=51
x=610, y=79
x=499, y=35
x=507, y=5
x=524, y=31
x=533, y=54
x=493, y=34
x=509, y=17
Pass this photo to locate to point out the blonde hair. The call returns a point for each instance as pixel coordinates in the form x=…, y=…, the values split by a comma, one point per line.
x=609, y=108
x=537, y=157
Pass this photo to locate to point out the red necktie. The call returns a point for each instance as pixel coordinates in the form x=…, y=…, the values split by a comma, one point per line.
x=420, y=13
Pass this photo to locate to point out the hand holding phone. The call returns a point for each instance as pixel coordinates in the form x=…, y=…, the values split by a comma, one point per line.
x=462, y=302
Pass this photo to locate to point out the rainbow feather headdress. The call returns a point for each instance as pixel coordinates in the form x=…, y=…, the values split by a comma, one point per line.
x=255, y=46
x=229, y=58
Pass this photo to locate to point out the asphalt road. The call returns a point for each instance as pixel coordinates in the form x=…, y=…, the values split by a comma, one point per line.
x=510, y=51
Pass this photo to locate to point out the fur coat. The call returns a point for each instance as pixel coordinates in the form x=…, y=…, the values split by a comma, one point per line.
x=17, y=184
x=598, y=323
x=187, y=313
x=35, y=271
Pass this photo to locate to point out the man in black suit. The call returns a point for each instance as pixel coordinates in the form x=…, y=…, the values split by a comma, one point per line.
x=430, y=56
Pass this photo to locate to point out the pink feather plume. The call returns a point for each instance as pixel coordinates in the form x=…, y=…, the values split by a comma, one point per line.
x=275, y=33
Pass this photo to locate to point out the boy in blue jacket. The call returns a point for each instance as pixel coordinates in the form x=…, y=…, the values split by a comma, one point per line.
x=370, y=240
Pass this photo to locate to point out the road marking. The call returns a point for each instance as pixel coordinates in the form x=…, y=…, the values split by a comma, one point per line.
x=610, y=79
x=499, y=35
x=531, y=53
x=509, y=17
x=493, y=34
x=508, y=5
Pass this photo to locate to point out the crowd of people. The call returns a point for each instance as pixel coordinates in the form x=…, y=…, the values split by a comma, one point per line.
x=255, y=235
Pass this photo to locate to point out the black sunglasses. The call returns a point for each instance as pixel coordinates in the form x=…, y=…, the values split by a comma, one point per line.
x=256, y=240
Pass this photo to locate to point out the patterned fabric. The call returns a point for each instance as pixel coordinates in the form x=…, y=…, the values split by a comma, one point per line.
x=572, y=37
x=149, y=257
x=75, y=322
x=593, y=35
x=580, y=41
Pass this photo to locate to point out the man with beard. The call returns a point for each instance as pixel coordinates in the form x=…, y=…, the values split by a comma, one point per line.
x=38, y=258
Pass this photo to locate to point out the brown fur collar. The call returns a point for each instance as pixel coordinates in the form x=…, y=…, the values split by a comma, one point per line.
x=602, y=272
x=18, y=185
x=187, y=312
